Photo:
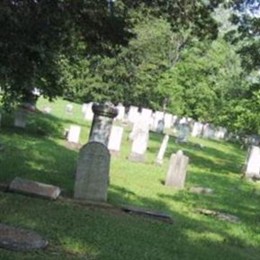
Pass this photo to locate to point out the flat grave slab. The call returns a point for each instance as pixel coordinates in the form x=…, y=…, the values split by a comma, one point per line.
x=17, y=239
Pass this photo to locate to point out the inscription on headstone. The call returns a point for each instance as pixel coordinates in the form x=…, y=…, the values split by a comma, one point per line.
x=92, y=174
x=176, y=174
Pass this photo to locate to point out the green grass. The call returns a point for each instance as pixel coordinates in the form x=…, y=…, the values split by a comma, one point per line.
x=75, y=231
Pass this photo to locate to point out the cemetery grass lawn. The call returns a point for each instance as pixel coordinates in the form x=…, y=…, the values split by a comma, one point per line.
x=78, y=231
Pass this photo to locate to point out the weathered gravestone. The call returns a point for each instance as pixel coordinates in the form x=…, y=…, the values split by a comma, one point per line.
x=20, y=118
x=253, y=163
x=176, y=174
x=69, y=108
x=140, y=137
x=115, y=139
x=159, y=158
x=34, y=188
x=74, y=134
x=183, y=133
x=17, y=239
x=92, y=174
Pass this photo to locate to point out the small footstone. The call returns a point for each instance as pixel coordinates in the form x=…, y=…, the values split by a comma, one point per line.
x=148, y=213
x=17, y=239
x=34, y=188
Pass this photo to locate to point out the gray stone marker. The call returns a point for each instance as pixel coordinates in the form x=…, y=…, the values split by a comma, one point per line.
x=159, y=158
x=176, y=174
x=20, y=118
x=34, y=188
x=18, y=239
x=183, y=133
x=102, y=122
x=92, y=174
x=69, y=108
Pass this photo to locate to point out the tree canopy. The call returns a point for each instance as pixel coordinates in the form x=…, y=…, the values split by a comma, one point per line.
x=158, y=54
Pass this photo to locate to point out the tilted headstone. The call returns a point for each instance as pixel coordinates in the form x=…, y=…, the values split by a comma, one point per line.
x=74, y=134
x=253, y=163
x=92, y=174
x=20, y=118
x=34, y=188
x=140, y=139
x=115, y=139
x=176, y=174
x=102, y=122
x=159, y=158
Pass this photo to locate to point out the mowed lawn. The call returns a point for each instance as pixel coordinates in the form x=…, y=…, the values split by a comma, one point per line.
x=78, y=231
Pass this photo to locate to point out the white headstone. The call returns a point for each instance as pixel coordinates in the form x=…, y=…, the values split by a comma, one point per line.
x=159, y=158
x=88, y=112
x=220, y=133
x=115, y=139
x=121, y=112
x=133, y=114
x=253, y=164
x=140, y=139
x=168, y=118
x=84, y=107
x=197, y=129
x=74, y=133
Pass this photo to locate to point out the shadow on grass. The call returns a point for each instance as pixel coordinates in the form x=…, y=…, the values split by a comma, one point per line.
x=37, y=152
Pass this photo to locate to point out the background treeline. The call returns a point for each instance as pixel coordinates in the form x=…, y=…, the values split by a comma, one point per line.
x=194, y=58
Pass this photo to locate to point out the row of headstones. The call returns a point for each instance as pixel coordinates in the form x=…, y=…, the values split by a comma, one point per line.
x=159, y=121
